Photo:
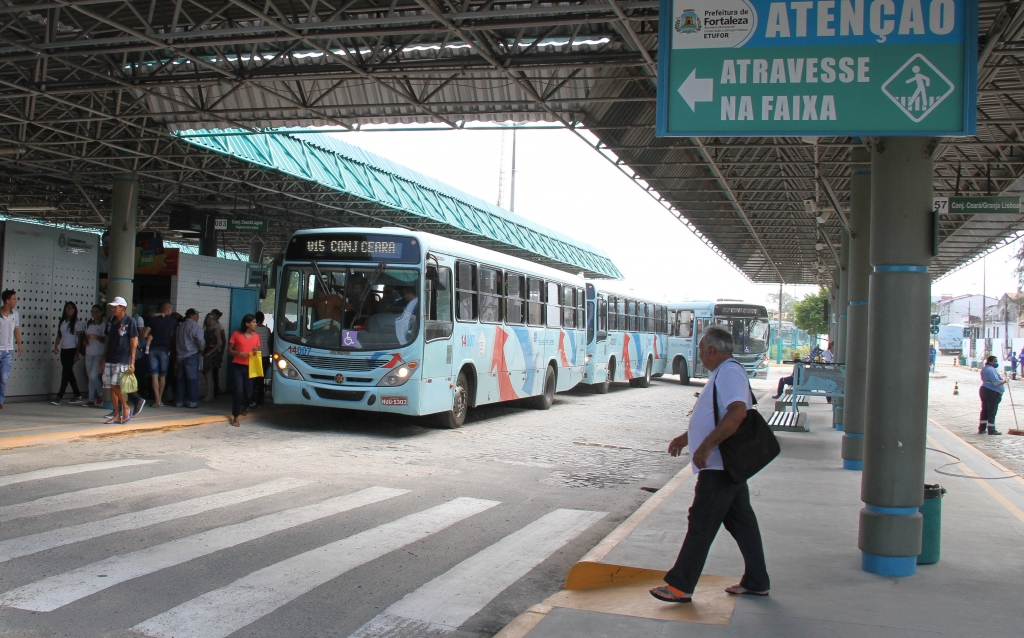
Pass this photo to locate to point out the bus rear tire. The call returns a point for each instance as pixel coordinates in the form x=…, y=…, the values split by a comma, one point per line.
x=455, y=417
x=644, y=381
x=684, y=373
x=544, y=401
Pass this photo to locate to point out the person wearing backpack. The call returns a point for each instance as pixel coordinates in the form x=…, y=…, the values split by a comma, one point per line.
x=718, y=498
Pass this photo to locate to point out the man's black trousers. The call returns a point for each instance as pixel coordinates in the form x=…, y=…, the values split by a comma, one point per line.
x=719, y=501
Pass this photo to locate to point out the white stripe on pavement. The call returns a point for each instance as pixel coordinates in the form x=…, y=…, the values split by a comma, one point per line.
x=64, y=470
x=223, y=611
x=25, y=545
x=104, y=494
x=62, y=589
x=442, y=605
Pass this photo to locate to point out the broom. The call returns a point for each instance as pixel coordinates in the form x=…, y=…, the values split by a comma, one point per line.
x=1017, y=431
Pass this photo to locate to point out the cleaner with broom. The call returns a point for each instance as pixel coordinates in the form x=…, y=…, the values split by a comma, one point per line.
x=992, y=387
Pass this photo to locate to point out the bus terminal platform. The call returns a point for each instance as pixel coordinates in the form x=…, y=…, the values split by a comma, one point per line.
x=807, y=506
x=30, y=423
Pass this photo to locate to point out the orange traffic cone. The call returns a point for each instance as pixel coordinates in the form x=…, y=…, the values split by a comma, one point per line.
x=956, y=388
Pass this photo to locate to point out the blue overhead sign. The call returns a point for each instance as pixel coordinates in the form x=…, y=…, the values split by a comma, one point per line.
x=817, y=67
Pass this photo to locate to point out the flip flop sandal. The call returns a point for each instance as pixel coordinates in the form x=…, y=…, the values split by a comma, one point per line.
x=747, y=592
x=665, y=594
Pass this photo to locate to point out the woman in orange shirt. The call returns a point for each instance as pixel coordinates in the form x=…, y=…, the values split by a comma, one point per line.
x=243, y=342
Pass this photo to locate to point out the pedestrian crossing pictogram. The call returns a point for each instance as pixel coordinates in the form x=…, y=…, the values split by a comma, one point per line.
x=918, y=87
x=193, y=498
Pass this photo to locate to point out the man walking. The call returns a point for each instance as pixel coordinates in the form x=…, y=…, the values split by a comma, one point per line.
x=189, y=344
x=122, y=344
x=718, y=499
x=161, y=333
x=266, y=349
x=9, y=336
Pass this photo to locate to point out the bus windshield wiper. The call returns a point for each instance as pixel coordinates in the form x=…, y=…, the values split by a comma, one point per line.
x=320, y=277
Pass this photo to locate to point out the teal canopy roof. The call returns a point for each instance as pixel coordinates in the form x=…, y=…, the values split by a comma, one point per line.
x=342, y=167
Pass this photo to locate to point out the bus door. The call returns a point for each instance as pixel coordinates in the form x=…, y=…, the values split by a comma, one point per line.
x=698, y=368
x=437, y=337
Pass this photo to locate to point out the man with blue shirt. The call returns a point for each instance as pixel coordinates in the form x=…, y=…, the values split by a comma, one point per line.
x=717, y=498
x=992, y=387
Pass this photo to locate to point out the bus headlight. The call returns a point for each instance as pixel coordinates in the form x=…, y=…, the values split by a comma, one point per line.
x=399, y=375
x=286, y=369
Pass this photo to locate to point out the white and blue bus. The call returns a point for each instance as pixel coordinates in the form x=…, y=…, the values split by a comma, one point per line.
x=748, y=324
x=626, y=337
x=390, y=320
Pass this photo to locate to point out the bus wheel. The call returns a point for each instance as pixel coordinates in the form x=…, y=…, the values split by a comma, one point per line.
x=606, y=385
x=644, y=381
x=460, y=405
x=544, y=401
x=684, y=373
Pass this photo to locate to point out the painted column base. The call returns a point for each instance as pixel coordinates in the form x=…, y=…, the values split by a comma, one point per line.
x=849, y=464
x=888, y=565
x=838, y=426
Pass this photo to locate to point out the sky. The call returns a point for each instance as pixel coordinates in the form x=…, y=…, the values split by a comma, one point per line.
x=564, y=184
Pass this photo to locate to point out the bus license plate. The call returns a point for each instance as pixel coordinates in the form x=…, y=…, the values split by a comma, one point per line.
x=394, y=401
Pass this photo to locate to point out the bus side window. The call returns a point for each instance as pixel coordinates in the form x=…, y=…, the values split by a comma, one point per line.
x=686, y=323
x=631, y=313
x=672, y=323
x=620, y=315
x=490, y=295
x=568, y=306
x=515, y=307
x=581, y=308
x=289, y=322
x=535, y=305
x=649, y=317
x=465, y=290
x=602, y=318
x=439, y=303
x=554, y=319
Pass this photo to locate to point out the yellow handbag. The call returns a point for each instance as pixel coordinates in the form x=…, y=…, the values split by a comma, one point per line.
x=255, y=364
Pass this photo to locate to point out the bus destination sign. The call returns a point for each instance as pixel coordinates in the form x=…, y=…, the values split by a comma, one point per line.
x=740, y=311
x=350, y=247
x=824, y=67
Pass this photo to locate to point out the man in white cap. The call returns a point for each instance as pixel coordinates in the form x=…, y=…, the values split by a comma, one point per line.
x=122, y=343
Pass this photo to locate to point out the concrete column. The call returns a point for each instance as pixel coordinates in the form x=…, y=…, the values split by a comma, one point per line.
x=842, y=298
x=124, y=212
x=859, y=269
x=897, y=374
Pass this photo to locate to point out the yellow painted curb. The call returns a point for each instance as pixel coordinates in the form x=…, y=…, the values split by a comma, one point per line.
x=590, y=573
x=77, y=432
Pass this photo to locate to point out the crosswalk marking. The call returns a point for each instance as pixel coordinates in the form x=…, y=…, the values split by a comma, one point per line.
x=105, y=494
x=445, y=603
x=223, y=611
x=57, y=591
x=25, y=545
x=64, y=470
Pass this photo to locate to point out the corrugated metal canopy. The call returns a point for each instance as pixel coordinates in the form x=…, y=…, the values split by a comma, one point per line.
x=87, y=88
x=426, y=202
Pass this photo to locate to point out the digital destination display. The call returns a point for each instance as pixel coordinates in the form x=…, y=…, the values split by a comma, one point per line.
x=354, y=247
x=740, y=311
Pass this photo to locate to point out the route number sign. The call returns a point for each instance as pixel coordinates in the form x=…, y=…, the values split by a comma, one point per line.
x=736, y=68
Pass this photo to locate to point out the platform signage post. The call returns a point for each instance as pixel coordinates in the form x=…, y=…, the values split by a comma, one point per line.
x=733, y=68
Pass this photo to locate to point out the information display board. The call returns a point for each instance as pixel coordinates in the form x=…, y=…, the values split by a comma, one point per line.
x=733, y=68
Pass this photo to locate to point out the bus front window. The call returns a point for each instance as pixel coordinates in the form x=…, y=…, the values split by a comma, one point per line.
x=350, y=308
x=749, y=335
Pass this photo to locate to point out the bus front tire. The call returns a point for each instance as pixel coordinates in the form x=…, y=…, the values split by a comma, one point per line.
x=544, y=401
x=684, y=373
x=455, y=417
x=603, y=388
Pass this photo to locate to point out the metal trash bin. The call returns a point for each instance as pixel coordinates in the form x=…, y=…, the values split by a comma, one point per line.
x=931, y=531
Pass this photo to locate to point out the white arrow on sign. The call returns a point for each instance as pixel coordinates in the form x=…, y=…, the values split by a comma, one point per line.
x=696, y=89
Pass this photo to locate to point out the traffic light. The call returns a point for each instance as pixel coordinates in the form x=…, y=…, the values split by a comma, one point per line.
x=935, y=330
x=936, y=320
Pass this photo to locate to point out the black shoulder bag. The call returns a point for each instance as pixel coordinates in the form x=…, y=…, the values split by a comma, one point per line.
x=751, y=447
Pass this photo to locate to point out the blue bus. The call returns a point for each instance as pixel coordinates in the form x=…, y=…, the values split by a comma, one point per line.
x=748, y=324
x=390, y=320
x=626, y=337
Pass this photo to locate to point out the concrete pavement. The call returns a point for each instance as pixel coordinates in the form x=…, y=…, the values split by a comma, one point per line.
x=808, y=510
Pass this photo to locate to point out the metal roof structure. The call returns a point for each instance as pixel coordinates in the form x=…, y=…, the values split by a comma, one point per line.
x=90, y=87
x=378, y=189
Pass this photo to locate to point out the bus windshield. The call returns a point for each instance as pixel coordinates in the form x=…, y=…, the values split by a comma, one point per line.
x=350, y=308
x=749, y=334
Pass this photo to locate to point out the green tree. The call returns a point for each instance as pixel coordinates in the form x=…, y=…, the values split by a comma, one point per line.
x=788, y=301
x=809, y=313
